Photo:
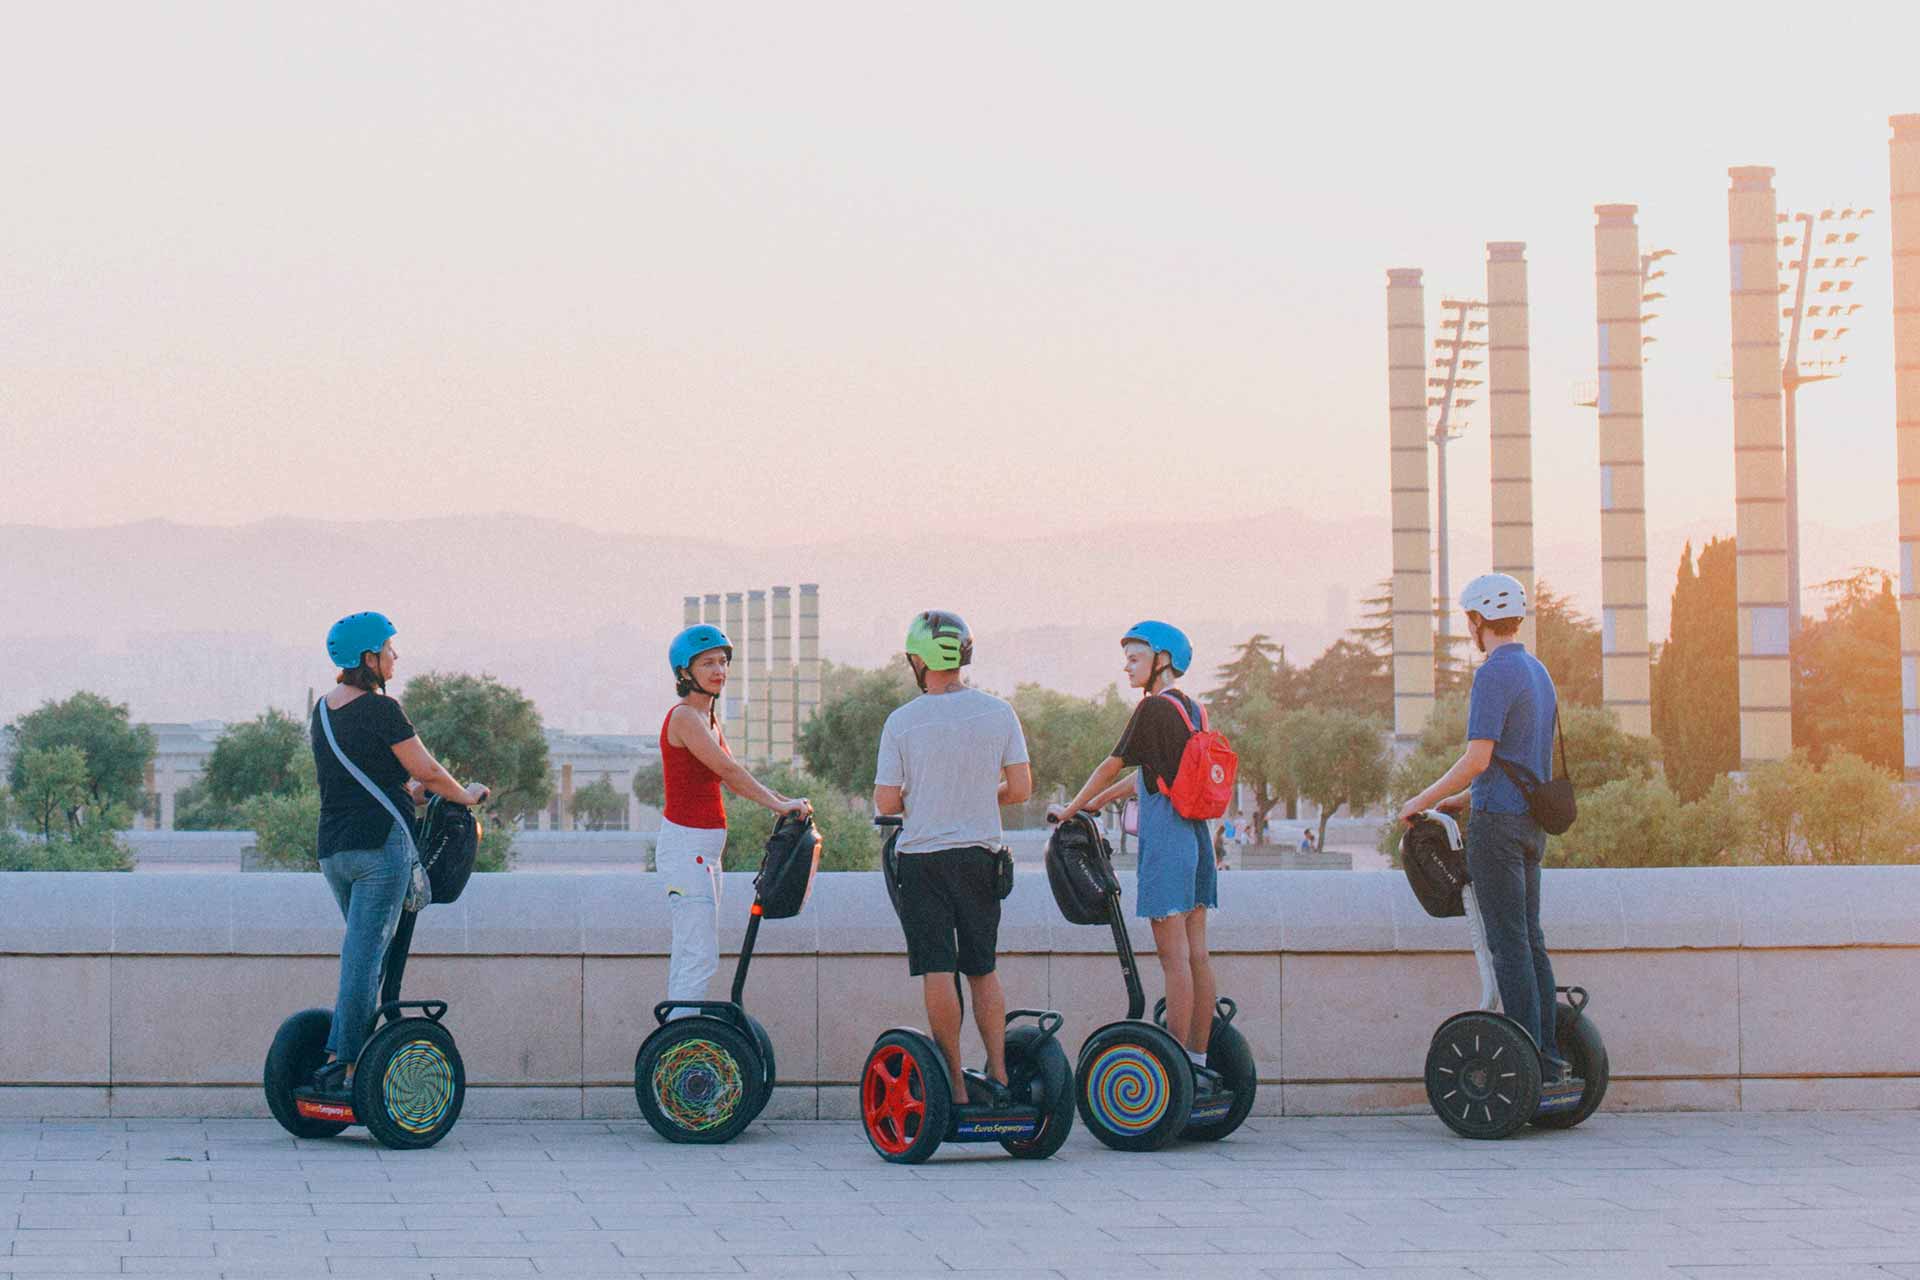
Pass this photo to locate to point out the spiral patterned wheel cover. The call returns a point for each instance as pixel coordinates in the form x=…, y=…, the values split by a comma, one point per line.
x=698, y=1084
x=417, y=1089
x=1128, y=1088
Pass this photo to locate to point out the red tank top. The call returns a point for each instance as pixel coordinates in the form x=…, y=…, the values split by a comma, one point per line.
x=693, y=790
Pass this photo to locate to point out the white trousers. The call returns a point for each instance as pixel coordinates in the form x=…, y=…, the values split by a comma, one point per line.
x=688, y=860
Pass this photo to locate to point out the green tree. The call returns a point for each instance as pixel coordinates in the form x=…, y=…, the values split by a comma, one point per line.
x=1856, y=813
x=1599, y=751
x=268, y=755
x=841, y=744
x=1846, y=673
x=1626, y=822
x=53, y=788
x=1336, y=759
x=286, y=828
x=1696, y=677
x=484, y=731
x=1567, y=642
x=598, y=806
x=650, y=785
x=1067, y=737
x=848, y=839
x=1348, y=676
x=1772, y=798
x=117, y=751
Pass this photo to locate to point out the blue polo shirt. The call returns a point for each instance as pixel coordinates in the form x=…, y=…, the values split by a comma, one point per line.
x=1513, y=704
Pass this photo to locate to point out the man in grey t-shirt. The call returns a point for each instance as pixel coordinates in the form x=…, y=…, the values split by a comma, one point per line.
x=948, y=760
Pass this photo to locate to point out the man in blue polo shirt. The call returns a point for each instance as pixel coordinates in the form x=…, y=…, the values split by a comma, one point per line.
x=1510, y=725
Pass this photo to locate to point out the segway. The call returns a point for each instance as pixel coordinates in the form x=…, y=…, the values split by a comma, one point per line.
x=906, y=1100
x=1136, y=1083
x=1483, y=1070
x=705, y=1077
x=408, y=1081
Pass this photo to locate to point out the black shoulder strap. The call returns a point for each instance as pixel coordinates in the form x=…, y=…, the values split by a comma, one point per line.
x=1524, y=779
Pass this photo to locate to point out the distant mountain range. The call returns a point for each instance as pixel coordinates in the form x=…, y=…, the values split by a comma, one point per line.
x=196, y=622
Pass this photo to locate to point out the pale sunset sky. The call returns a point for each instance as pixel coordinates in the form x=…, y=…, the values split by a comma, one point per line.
x=1039, y=266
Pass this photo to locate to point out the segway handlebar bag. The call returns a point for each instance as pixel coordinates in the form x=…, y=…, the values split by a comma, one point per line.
x=1435, y=863
x=449, y=844
x=1080, y=870
x=792, y=856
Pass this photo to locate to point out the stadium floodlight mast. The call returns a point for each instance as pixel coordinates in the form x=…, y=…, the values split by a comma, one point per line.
x=1824, y=260
x=1455, y=369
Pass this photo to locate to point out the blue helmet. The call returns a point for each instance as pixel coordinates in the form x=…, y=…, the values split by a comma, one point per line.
x=693, y=642
x=1163, y=637
x=355, y=634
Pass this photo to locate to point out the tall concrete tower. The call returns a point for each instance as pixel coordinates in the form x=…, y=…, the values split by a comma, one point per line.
x=1906, y=412
x=690, y=611
x=1625, y=679
x=710, y=610
x=733, y=716
x=1759, y=469
x=1412, y=527
x=759, y=686
x=807, y=681
x=780, y=672
x=1510, y=417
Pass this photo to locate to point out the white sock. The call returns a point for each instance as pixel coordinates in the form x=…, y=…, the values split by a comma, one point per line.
x=1198, y=1059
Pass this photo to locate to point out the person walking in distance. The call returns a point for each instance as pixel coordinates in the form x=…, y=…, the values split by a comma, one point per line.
x=695, y=764
x=1511, y=715
x=948, y=760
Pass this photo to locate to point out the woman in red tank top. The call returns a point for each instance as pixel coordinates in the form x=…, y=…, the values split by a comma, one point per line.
x=695, y=764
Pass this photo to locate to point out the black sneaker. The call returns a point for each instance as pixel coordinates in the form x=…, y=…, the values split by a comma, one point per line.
x=984, y=1090
x=330, y=1083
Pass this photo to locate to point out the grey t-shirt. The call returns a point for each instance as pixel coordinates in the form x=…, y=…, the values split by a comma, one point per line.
x=946, y=751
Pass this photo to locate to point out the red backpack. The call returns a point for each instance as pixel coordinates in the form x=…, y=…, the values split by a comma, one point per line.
x=1208, y=766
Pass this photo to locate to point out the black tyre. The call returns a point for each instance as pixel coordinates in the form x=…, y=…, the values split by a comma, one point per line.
x=698, y=1079
x=298, y=1049
x=764, y=1044
x=906, y=1103
x=1483, y=1075
x=1580, y=1044
x=1231, y=1057
x=1134, y=1086
x=409, y=1084
x=1037, y=1067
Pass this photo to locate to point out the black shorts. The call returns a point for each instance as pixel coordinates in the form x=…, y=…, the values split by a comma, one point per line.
x=950, y=909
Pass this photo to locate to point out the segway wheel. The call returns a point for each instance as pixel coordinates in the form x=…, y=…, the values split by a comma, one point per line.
x=298, y=1049
x=1580, y=1044
x=409, y=1084
x=1134, y=1086
x=698, y=1080
x=1231, y=1058
x=1483, y=1075
x=764, y=1044
x=905, y=1100
x=1037, y=1066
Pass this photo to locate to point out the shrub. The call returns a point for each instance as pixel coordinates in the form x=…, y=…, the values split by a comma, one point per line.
x=848, y=839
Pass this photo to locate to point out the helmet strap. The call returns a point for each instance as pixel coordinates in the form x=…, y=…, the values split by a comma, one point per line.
x=919, y=670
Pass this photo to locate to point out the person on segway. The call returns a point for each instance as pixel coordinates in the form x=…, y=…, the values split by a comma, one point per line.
x=1511, y=718
x=948, y=760
x=365, y=855
x=1178, y=878
x=695, y=763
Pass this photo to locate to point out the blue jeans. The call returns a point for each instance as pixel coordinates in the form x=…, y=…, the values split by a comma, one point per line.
x=1503, y=860
x=371, y=886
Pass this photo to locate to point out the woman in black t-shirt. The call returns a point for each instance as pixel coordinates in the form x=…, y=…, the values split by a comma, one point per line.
x=1178, y=878
x=365, y=854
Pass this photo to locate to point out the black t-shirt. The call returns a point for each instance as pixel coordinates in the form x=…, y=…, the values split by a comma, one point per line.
x=367, y=730
x=1155, y=738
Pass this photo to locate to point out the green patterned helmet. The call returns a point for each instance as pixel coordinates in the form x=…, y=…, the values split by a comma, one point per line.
x=940, y=639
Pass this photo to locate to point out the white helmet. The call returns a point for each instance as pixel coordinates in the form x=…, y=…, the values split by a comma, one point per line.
x=1495, y=595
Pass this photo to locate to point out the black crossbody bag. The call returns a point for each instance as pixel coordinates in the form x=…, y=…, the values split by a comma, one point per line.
x=1551, y=802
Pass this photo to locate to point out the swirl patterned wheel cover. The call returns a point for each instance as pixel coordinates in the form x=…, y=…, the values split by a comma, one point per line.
x=698, y=1085
x=1127, y=1085
x=418, y=1086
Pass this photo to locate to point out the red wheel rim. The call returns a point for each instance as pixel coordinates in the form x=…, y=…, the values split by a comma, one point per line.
x=893, y=1099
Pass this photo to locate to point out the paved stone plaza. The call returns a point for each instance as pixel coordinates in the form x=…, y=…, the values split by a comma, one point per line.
x=1804, y=1196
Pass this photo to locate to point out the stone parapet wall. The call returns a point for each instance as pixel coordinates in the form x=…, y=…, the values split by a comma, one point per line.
x=1720, y=989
